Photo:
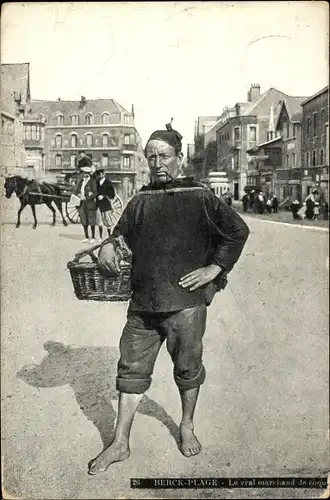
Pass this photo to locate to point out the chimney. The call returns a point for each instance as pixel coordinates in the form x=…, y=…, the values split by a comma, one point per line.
x=254, y=92
x=132, y=111
x=83, y=101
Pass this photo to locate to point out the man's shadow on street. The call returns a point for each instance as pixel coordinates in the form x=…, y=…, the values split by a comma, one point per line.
x=91, y=372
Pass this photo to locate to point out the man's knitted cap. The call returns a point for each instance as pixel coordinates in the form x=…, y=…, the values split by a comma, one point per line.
x=172, y=137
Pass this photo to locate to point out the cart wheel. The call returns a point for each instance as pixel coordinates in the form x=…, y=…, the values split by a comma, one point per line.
x=72, y=213
x=117, y=207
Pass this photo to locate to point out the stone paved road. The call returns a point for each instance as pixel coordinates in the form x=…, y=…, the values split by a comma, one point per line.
x=262, y=411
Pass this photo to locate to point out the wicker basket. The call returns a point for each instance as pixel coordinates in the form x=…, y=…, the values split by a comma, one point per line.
x=90, y=282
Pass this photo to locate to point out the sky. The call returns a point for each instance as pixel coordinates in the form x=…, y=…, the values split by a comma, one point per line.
x=169, y=59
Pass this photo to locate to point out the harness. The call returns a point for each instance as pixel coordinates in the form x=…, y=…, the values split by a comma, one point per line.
x=25, y=191
x=20, y=195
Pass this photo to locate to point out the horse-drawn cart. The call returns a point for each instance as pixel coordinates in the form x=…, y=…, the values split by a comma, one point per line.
x=34, y=192
x=67, y=182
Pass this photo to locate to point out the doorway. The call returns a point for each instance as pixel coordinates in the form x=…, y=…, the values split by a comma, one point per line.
x=236, y=191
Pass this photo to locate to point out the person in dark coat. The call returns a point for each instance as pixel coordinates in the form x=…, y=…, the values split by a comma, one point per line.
x=295, y=207
x=87, y=192
x=274, y=204
x=246, y=202
x=105, y=193
x=184, y=240
x=310, y=203
x=84, y=161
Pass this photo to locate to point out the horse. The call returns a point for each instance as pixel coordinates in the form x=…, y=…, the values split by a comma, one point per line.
x=23, y=188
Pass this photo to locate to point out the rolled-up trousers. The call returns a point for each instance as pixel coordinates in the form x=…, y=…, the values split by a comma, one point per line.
x=142, y=338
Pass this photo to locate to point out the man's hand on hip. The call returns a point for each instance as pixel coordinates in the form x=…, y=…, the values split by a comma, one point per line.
x=109, y=258
x=200, y=277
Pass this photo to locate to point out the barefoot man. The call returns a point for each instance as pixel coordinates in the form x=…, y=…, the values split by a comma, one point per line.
x=184, y=241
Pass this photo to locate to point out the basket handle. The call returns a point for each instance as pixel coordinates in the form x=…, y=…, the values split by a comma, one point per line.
x=81, y=253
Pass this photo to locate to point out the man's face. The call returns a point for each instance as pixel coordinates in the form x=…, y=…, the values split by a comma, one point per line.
x=163, y=161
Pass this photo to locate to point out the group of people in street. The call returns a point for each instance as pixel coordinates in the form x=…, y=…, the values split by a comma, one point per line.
x=312, y=208
x=94, y=193
x=257, y=202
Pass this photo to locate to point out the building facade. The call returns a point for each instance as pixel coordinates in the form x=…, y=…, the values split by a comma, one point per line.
x=14, y=101
x=289, y=128
x=102, y=129
x=254, y=124
x=315, y=143
x=234, y=138
x=41, y=138
x=275, y=165
x=238, y=129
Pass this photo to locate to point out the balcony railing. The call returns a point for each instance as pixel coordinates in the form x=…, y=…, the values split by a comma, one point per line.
x=33, y=143
x=236, y=144
x=129, y=147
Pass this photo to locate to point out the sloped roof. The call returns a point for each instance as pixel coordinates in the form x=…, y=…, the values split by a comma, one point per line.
x=15, y=78
x=94, y=106
x=293, y=108
x=251, y=108
x=205, y=120
x=293, y=105
x=307, y=99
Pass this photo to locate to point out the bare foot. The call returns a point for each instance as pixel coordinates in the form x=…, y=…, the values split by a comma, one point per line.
x=189, y=443
x=116, y=452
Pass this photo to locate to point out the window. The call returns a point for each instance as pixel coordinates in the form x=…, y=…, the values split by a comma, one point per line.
x=127, y=119
x=308, y=127
x=236, y=159
x=126, y=162
x=74, y=120
x=88, y=118
x=295, y=129
x=293, y=159
x=287, y=129
x=307, y=159
x=60, y=119
x=58, y=160
x=314, y=124
x=126, y=139
x=253, y=134
x=28, y=132
x=58, y=141
x=105, y=118
x=270, y=136
x=321, y=157
x=314, y=158
x=105, y=160
x=287, y=160
x=74, y=140
x=35, y=133
x=89, y=140
x=73, y=161
x=105, y=140
x=323, y=121
x=236, y=134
